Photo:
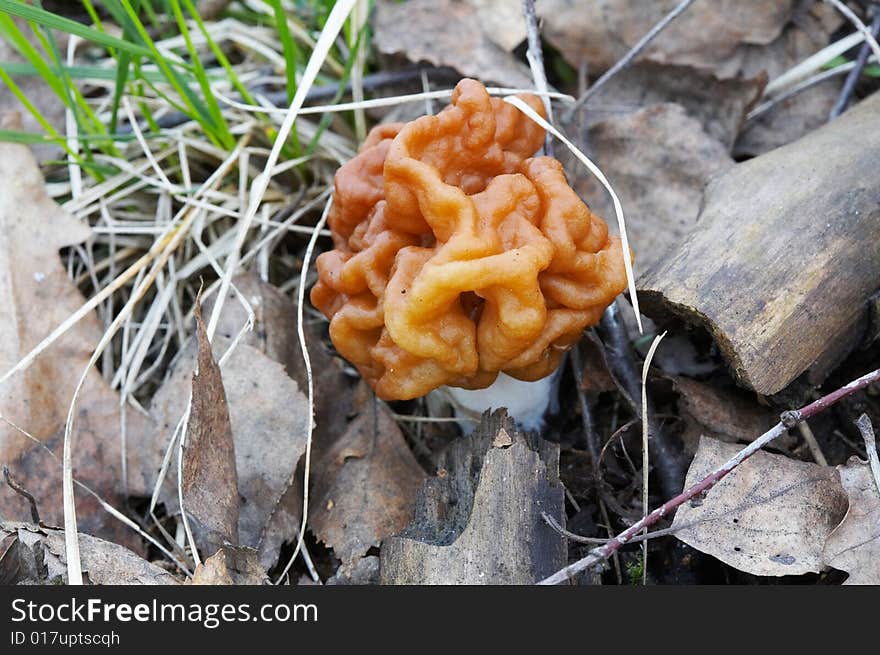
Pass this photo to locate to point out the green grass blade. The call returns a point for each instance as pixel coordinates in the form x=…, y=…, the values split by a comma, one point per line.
x=201, y=76
x=28, y=138
x=77, y=72
x=218, y=53
x=20, y=136
x=292, y=54
x=13, y=35
x=50, y=20
x=196, y=108
x=38, y=116
x=122, y=67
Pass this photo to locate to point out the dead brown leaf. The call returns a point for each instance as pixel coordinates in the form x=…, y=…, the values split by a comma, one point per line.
x=274, y=334
x=705, y=35
x=210, y=481
x=799, y=115
x=770, y=516
x=658, y=159
x=729, y=415
x=719, y=104
x=364, y=484
x=35, y=555
x=269, y=418
x=461, y=34
x=274, y=331
x=37, y=296
x=854, y=545
x=231, y=566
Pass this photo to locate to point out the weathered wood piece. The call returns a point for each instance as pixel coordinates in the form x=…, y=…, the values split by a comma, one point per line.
x=784, y=256
x=479, y=520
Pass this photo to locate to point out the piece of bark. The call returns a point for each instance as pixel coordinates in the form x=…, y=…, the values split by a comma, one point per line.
x=479, y=520
x=784, y=256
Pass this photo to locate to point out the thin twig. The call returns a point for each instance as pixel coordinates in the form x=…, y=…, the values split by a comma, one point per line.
x=667, y=462
x=634, y=52
x=800, y=87
x=849, y=86
x=577, y=364
x=21, y=491
x=858, y=24
x=787, y=420
x=593, y=448
x=674, y=529
x=535, y=57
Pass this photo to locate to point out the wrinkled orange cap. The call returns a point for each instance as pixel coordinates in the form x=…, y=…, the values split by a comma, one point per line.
x=458, y=255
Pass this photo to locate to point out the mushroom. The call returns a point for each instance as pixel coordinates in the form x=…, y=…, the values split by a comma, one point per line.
x=458, y=257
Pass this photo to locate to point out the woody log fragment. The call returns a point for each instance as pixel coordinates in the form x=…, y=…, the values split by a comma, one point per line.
x=785, y=255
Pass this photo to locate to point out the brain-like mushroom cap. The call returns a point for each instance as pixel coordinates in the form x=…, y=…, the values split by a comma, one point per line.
x=458, y=255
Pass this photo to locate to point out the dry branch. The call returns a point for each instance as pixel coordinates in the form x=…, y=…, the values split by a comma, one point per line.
x=787, y=420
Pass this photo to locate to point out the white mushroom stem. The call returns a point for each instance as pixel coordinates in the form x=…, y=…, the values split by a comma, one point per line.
x=526, y=402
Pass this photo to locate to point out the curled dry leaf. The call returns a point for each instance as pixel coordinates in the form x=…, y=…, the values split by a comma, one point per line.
x=770, y=516
x=461, y=34
x=210, y=480
x=659, y=159
x=854, y=546
x=37, y=297
x=364, y=484
x=705, y=35
x=35, y=555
